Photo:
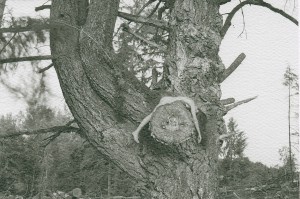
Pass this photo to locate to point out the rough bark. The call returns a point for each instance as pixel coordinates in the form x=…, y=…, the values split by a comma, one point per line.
x=108, y=102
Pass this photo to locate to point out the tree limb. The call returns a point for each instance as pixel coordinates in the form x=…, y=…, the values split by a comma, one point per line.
x=102, y=91
x=55, y=129
x=232, y=67
x=150, y=43
x=33, y=27
x=227, y=23
x=147, y=21
x=221, y=2
x=20, y=59
x=230, y=107
x=44, y=69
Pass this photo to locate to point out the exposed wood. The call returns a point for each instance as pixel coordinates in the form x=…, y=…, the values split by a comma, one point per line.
x=232, y=67
x=172, y=124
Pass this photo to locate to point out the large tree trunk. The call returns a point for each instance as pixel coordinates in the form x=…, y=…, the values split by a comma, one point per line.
x=108, y=102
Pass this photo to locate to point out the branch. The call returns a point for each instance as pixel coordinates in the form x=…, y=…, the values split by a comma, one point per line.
x=127, y=29
x=43, y=7
x=232, y=67
x=33, y=27
x=154, y=77
x=221, y=2
x=20, y=59
x=147, y=21
x=227, y=101
x=227, y=23
x=55, y=129
x=7, y=43
x=71, y=122
x=144, y=6
x=228, y=108
x=47, y=68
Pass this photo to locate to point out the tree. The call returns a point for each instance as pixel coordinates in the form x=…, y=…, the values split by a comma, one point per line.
x=108, y=102
x=232, y=164
x=291, y=81
x=289, y=162
x=236, y=143
x=25, y=159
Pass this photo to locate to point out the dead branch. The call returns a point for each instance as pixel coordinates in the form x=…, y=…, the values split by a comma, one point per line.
x=33, y=27
x=7, y=43
x=20, y=59
x=127, y=29
x=144, y=20
x=154, y=77
x=232, y=67
x=43, y=7
x=55, y=129
x=244, y=24
x=227, y=101
x=221, y=2
x=144, y=6
x=227, y=23
x=230, y=107
x=47, y=68
x=150, y=15
x=51, y=138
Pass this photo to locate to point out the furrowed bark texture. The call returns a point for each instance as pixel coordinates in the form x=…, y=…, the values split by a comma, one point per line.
x=195, y=67
x=108, y=102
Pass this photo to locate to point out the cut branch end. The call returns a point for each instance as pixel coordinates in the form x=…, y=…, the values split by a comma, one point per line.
x=232, y=67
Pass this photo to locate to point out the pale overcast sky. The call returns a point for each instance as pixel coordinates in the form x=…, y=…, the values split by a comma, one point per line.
x=271, y=44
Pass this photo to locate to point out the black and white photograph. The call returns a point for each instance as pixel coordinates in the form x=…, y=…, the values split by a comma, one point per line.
x=149, y=99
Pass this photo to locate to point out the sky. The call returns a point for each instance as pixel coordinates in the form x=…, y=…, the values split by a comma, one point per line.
x=270, y=44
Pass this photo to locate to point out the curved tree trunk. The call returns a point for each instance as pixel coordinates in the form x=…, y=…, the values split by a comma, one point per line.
x=108, y=102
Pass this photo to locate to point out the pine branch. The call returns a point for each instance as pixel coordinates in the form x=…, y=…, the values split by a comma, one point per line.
x=55, y=129
x=20, y=59
x=230, y=107
x=144, y=20
x=232, y=67
x=33, y=27
x=227, y=23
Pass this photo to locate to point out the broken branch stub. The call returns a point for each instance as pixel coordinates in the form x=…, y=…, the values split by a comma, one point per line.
x=172, y=124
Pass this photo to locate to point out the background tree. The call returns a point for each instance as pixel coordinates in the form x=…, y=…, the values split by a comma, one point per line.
x=291, y=81
x=235, y=145
x=108, y=102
